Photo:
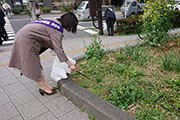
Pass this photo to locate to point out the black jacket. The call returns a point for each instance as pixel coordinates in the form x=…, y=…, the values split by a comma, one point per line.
x=2, y=15
x=109, y=13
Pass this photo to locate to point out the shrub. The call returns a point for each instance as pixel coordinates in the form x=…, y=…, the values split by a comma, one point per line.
x=26, y=11
x=156, y=21
x=46, y=10
x=175, y=19
x=67, y=9
x=126, y=25
x=17, y=10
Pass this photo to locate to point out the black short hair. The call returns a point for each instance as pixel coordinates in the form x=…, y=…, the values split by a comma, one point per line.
x=69, y=22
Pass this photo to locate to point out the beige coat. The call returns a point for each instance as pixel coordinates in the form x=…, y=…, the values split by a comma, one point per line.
x=27, y=45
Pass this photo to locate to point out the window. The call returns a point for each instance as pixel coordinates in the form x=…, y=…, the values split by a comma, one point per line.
x=87, y=6
x=134, y=4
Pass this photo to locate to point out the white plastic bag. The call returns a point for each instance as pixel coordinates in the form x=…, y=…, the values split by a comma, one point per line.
x=60, y=69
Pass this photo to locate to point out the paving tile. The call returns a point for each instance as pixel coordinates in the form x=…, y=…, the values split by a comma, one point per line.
x=2, y=69
x=1, y=90
x=46, y=116
x=22, y=97
x=31, y=110
x=8, y=111
x=75, y=115
x=32, y=86
x=14, y=71
x=5, y=73
x=14, y=88
x=10, y=79
x=24, y=79
x=4, y=98
x=60, y=106
x=17, y=118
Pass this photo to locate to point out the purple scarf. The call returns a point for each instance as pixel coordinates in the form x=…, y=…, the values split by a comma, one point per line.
x=49, y=23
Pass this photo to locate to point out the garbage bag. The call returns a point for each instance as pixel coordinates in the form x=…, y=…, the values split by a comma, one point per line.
x=60, y=69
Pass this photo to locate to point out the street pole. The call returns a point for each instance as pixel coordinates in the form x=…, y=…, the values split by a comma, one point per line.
x=32, y=9
x=21, y=1
x=125, y=12
x=100, y=17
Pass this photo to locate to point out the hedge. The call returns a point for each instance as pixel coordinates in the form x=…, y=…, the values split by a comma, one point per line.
x=126, y=25
x=129, y=25
x=175, y=19
x=46, y=10
x=66, y=9
x=17, y=10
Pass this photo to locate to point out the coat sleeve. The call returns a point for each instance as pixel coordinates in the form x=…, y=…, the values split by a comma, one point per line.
x=56, y=39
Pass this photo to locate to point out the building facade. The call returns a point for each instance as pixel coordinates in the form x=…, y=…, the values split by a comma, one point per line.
x=15, y=3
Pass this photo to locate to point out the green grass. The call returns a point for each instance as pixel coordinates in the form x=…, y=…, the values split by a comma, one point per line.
x=144, y=81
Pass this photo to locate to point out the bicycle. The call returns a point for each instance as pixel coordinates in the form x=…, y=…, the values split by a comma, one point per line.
x=142, y=35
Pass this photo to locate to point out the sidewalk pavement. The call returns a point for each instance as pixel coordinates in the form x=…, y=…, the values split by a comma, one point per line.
x=19, y=96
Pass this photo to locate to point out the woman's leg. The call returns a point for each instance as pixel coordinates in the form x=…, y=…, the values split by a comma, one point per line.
x=45, y=82
x=44, y=85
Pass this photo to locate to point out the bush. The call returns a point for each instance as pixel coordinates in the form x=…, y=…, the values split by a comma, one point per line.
x=156, y=22
x=17, y=10
x=126, y=25
x=175, y=19
x=26, y=11
x=46, y=10
x=67, y=9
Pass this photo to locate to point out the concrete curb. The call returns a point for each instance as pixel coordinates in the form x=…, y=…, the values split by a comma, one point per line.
x=92, y=104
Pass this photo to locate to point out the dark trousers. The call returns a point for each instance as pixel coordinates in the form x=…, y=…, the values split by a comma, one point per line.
x=3, y=33
x=110, y=26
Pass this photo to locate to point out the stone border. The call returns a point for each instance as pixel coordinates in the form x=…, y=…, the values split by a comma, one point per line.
x=91, y=103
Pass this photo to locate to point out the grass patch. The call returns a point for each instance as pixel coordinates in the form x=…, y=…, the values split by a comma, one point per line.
x=144, y=81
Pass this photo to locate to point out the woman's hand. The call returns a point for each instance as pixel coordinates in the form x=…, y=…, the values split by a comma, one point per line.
x=73, y=68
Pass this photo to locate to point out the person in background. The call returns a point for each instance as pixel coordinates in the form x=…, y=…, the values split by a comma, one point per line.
x=37, y=10
x=110, y=18
x=7, y=8
x=35, y=38
x=3, y=34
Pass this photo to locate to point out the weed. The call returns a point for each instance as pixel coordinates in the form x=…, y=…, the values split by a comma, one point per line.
x=94, y=50
x=135, y=76
x=176, y=63
x=91, y=117
x=150, y=114
x=167, y=61
x=124, y=94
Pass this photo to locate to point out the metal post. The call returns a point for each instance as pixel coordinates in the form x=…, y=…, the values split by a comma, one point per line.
x=32, y=9
x=100, y=17
x=125, y=12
